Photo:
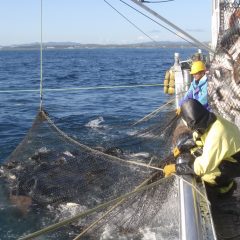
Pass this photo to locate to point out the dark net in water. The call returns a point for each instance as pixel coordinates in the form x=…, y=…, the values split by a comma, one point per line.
x=50, y=170
x=58, y=174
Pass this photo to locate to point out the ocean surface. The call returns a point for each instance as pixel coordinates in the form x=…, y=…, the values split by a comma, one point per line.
x=76, y=110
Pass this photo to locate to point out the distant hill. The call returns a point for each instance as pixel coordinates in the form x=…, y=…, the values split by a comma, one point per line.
x=73, y=45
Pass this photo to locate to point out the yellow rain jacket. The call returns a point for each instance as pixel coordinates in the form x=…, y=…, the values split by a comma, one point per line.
x=220, y=142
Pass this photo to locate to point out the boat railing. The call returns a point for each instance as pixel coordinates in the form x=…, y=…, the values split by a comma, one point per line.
x=195, y=215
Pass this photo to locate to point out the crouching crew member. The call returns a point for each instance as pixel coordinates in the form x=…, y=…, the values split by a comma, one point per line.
x=219, y=162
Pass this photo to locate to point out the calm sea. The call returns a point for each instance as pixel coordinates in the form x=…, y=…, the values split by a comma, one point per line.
x=71, y=69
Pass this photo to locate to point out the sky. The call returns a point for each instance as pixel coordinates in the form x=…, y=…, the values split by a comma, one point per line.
x=94, y=21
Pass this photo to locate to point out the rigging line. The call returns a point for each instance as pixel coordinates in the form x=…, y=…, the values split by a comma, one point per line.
x=160, y=24
x=153, y=112
x=81, y=88
x=87, y=148
x=198, y=43
x=131, y=22
x=113, y=207
x=89, y=211
x=194, y=187
x=41, y=66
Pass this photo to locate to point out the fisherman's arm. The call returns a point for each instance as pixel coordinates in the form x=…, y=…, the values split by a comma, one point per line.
x=215, y=149
x=178, y=168
x=184, y=159
x=188, y=95
x=202, y=98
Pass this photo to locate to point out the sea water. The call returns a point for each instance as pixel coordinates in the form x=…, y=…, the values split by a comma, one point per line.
x=81, y=106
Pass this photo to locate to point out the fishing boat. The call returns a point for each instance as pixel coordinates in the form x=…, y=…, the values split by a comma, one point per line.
x=114, y=195
x=222, y=214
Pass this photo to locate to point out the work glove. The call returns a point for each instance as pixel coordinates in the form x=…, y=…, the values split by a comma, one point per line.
x=178, y=111
x=185, y=168
x=184, y=144
x=176, y=152
x=169, y=169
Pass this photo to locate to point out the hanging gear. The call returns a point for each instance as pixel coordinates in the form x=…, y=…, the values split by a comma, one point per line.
x=166, y=81
x=169, y=82
x=171, y=88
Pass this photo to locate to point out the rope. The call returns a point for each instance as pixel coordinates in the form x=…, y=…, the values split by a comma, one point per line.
x=116, y=201
x=114, y=158
x=104, y=205
x=112, y=208
x=153, y=113
x=90, y=211
x=142, y=187
x=41, y=66
x=82, y=88
x=194, y=187
x=120, y=202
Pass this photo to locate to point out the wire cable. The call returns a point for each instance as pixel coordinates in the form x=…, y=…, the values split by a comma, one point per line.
x=131, y=22
x=168, y=29
x=41, y=64
x=195, y=41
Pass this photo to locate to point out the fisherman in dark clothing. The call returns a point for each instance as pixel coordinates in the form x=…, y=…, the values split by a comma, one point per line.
x=219, y=162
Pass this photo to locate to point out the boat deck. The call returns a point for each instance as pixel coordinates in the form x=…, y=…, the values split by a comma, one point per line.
x=226, y=215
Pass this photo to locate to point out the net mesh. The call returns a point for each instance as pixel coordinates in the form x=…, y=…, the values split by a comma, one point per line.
x=224, y=98
x=223, y=88
x=50, y=169
x=60, y=177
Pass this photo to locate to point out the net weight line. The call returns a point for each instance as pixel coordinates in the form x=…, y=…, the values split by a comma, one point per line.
x=113, y=207
x=140, y=188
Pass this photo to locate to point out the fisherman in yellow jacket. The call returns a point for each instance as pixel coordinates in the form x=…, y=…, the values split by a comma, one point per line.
x=219, y=162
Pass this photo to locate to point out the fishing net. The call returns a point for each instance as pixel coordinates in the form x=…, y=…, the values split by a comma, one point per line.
x=224, y=82
x=51, y=170
x=112, y=183
x=47, y=153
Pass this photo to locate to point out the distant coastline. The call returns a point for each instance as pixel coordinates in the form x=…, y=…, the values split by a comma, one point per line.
x=72, y=45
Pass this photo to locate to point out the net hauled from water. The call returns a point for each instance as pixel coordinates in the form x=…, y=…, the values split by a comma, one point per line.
x=49, y=169
x=53, y=172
